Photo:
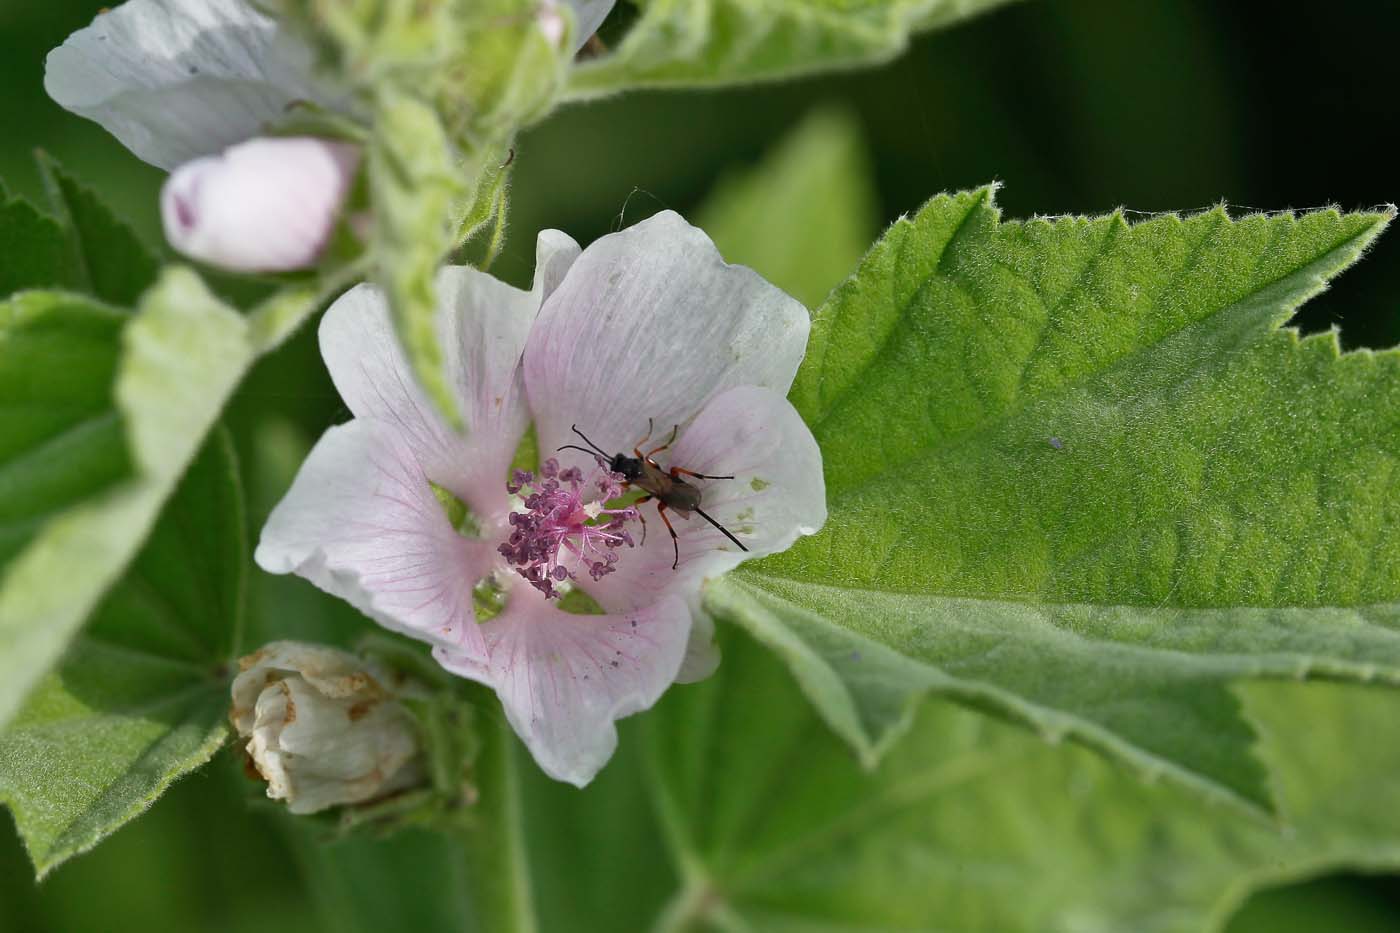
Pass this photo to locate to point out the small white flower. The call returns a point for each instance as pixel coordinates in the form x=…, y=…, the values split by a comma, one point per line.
x=180, y=82
x=178, y=79
x=267, y=205
x=323, y=727
x=189, y=85
x=649, y=324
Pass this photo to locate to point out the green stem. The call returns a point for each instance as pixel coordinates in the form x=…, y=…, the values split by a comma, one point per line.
x=683, y=911
x=697, y=901
x=498, y=869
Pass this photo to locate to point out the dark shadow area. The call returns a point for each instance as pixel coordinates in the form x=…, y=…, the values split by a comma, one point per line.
x=1350, y=903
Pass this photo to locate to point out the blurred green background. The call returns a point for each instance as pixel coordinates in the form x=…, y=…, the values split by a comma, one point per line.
x=1076, y=106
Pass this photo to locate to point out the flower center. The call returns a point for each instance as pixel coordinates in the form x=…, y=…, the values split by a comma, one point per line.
x=565, y=527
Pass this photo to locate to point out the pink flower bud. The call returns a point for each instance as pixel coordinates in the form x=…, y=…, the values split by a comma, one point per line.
x=266, y=205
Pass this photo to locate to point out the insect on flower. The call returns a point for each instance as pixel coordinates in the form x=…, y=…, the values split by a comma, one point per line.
x=365, y=518
x=667, y=487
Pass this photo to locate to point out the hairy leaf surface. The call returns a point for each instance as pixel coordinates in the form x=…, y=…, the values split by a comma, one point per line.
x=687, y=43
x=142, y=695
x=1079, y=477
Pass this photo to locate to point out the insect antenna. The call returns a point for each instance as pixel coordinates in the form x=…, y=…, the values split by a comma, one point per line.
x=721, y=528
x=596, y=449
x=577, y=447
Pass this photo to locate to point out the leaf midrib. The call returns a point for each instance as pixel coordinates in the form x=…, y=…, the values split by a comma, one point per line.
x=1030, y=603
x=1051, y=720
x=1036, y=602
x=87, y=423
x=133, y=710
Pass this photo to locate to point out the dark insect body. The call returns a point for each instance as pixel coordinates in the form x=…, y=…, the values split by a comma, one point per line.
x=668, y=488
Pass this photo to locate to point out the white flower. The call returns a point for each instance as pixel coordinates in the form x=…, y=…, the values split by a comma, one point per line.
x=267, y=205
x=180, y=82
x=178, y=79
x=648, y=325
x=323, y=727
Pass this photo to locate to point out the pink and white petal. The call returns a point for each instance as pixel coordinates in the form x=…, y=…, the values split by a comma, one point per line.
x=265, y=205
x=564, y=679
x=362, y=523
x=701, y=653
x=652, y=323
x=174, y=80
x=482, y=326
x=555, y=254
x=777, y=494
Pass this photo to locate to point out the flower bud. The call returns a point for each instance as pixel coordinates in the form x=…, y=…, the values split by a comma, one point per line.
x=323, y=727
x=266, y=205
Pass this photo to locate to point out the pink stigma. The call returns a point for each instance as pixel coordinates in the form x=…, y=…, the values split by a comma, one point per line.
x=562, y=529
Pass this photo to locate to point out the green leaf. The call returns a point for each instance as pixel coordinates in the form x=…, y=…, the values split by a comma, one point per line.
x=178, y=359
x=60, y=440
x=972, y=825
x=1078, y=477
x=141, y=697
x=626, y=877
x=688, y=43
x=32, y=247
x=412, y=880
x=110, y=262
x=805, y=215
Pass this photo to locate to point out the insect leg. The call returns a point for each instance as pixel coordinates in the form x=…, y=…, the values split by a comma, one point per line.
x=640, y=502
x=676, y=471
x=669, y=441
x=675, y=542
x=721, y=528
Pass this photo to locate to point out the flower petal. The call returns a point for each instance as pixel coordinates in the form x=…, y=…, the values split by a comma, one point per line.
x=265, y=205
x=564, y=679
x=589, y=15
x=482, y=326
x=324, y=727
x=652, y=323
x=701, y=653
x=777, y=494
x=362, y=523
x=174, y=80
